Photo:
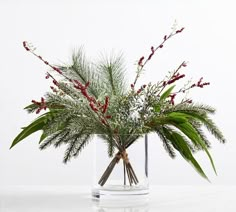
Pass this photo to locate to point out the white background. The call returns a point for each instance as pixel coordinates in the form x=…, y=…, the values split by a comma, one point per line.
x=131, y=26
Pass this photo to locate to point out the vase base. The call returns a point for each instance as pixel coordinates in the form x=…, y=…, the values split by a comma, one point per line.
x=119, y=192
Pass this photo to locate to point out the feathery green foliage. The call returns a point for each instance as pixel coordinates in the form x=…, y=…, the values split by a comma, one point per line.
x=111, y=73
x=93, y=98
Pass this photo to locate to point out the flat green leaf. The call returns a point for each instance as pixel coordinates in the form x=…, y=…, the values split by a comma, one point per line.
x=29, y=106
x=183, y=148
x=192, y=134
x=166, y=93
x=177, y=117
x=42, y=137
x=209, y=124
x=187, y=130
x=36, y=125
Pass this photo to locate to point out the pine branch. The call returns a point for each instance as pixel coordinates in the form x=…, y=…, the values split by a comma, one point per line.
x=50, y=140
x=166, y=143
x=81, y=144
x=70, y=91
x=55, y=101
x=64, y=138
x=186, y=107
x=111, y=145
x=71, y=147
x=111, y=72
x=81, y=69
x=213, y=129
x=58, y=122
x=197, y=127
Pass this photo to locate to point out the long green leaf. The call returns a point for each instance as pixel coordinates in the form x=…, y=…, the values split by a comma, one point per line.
x=180, y=145
x=183, y=148
x=177, y=117
x=166, y=143
x=209, y=124
x=191, y=133
x=42, y=137
x=35, y=126
x=166, y=93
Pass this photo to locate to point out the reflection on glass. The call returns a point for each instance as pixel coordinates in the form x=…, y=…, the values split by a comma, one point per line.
x=125, y=205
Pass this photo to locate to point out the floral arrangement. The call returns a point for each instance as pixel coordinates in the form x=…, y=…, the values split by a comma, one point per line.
x=89, y=99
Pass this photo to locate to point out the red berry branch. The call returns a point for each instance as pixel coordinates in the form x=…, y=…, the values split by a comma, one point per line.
x=172, y=97
x=105, y=106
x=174, y=77
x=42, y=105
x=199, y=84
x=94, y=105
x=141, y=89
x=142, y=62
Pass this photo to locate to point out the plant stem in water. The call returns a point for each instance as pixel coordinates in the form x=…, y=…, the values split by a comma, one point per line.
x=128, y=169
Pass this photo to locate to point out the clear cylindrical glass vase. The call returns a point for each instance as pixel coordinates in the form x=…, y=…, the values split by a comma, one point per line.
x=123, y=173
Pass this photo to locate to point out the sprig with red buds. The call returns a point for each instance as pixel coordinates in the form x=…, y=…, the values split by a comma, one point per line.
x=172, y=98
x=54, y=89
x=94, y=105
x=105, y=106
x=76, y=83
x=83, y=89
x=141, y=89
x=173, y=77
x=142, y=62
x=189, y=101
x=176, y=76
x=29, y=47
x=41, y=105
x=199, y=84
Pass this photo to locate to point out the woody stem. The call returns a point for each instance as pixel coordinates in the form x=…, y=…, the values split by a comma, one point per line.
x=128, y=169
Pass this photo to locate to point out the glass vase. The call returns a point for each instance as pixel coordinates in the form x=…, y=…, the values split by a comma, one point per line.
x=123, y=173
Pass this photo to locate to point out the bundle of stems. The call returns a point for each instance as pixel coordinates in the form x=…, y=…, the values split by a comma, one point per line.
x=122, y=143
x=127, y=169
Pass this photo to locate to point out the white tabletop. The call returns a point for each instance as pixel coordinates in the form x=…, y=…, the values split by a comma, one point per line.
x=78, y=198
